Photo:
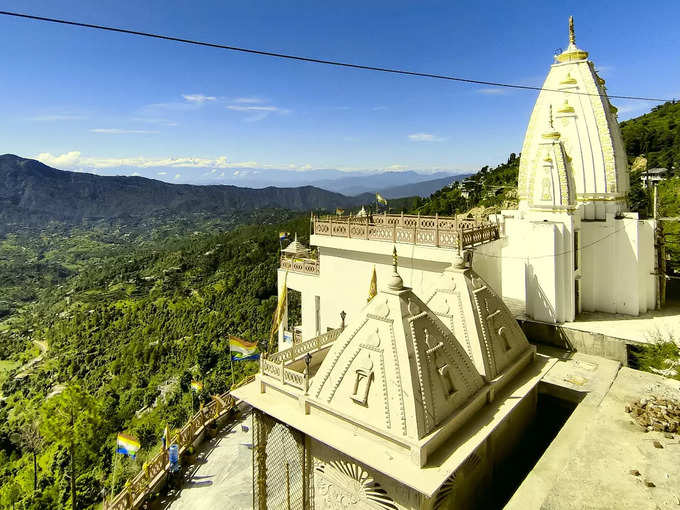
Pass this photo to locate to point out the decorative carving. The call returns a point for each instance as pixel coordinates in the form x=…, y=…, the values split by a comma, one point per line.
x=342, y=485
x=413, y=307
x=547, y=194
x=363, y=378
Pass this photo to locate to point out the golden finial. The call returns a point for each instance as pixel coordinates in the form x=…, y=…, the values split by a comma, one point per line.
x=395, y=283
x=572, y=39
x=394, y=258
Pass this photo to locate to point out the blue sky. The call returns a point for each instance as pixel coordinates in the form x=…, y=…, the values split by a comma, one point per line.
x=110, y=103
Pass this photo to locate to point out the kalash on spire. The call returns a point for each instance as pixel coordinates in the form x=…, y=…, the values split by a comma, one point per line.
x=595, y=179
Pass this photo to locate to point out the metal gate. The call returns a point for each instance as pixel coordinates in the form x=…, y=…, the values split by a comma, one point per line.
x=281, y=466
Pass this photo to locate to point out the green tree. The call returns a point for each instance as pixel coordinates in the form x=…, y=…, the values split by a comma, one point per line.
x=70, y=419
x=10, y=494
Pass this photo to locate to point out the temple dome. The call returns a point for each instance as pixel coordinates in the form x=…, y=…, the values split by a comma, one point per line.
x=589, y=167
x=479, y=318
x=397, y=369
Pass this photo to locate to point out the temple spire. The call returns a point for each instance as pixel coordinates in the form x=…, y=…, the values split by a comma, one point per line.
x=572, y=39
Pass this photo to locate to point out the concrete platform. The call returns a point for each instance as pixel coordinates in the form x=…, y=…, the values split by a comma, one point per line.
x=589, y=463
x=607, y=335
x=222, y=477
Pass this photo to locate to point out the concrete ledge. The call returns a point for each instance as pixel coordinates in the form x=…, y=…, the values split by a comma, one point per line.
x=586, y=342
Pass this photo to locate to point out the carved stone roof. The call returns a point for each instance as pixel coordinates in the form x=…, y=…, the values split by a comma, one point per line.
x=478, y=318
x=296, y=248
x=397, y=369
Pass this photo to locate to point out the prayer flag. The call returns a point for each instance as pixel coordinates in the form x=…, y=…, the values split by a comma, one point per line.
x=339, y=211
x=196, y=386
x=242, y=349
x=373, y=287
x=165, y=437
x=380, y=199
x=280, y=311
x=127, y=445
x=283, y=236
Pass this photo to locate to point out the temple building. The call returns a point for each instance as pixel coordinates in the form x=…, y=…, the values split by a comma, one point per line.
x=394, y=410
x=407, y=386
x=573, y=245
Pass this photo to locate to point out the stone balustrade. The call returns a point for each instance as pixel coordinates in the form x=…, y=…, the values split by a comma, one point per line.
x=311, y=345
x=300, y=265
x=437, y=231
x=155, y=470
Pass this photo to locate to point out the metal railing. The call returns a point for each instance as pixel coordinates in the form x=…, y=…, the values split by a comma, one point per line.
x=153, y=471
x=300, y=265
x=437, y=231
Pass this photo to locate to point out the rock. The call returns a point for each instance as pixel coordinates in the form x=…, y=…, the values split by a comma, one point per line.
x=634, y=472
x=649, y=484
x=657, y=444
x=668, y=436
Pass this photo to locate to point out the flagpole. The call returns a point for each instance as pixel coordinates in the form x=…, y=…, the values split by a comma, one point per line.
x=113, y=481
x=231, y=361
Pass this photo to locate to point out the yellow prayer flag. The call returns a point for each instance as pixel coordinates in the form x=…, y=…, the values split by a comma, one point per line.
x=373, y=287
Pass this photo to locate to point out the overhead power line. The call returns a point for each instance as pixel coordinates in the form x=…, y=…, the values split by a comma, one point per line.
x=315, y=60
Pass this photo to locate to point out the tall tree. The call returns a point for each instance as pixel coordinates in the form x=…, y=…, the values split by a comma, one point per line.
x=32, y=441
x=70, y=419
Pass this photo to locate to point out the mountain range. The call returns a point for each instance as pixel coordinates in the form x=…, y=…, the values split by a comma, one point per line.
x=33, y=194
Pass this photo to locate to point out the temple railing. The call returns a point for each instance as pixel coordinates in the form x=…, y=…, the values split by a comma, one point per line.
x=440, y=232
x=297, y=350
x=155, y=470
x=300, y=265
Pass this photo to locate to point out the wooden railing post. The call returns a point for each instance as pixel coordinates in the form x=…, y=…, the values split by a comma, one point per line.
x=349, y=234
x=367, y=227
x=436, y=230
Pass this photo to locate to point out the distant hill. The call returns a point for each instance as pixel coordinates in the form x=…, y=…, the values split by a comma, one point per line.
x=656, y=135
x=420, y=189
x=32, y=193
x=354, y=183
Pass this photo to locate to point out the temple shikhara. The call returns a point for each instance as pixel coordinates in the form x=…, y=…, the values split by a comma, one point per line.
x=411, y=393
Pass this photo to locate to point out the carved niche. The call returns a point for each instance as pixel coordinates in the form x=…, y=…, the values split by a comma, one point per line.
x=363, y=376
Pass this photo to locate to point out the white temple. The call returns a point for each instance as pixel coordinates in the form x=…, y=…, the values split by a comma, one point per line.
x=394, y=410
x=573, y=246
x=410, y=397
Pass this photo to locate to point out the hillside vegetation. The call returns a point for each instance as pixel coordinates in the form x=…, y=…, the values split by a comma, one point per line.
x=132, y=309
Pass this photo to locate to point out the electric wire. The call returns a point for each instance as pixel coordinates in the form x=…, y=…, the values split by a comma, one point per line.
x=552, y=255
x=318, y=60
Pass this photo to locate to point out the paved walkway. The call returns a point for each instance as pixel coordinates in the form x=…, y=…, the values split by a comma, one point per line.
x=222, y=475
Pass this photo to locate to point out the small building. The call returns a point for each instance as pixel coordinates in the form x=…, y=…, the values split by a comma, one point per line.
x=409, y=406
x=653, y=176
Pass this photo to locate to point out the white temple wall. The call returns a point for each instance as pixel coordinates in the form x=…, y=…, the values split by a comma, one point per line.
x=347, y=265
x=618, y=259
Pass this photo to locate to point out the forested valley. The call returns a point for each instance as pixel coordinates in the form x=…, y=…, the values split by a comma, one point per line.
x=114, y=319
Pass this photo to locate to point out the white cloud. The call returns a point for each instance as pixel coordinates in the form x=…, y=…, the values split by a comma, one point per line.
x=198, y=98
x=257, y=111
x=492, y=91
x=67, y=160
x=238, y=108
x=177, y=176
x=395, y=168
x=248, y=100
x=306, y=167
x=162, y=173
x=425, y=137
x=116, y=131
x=135, y=174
